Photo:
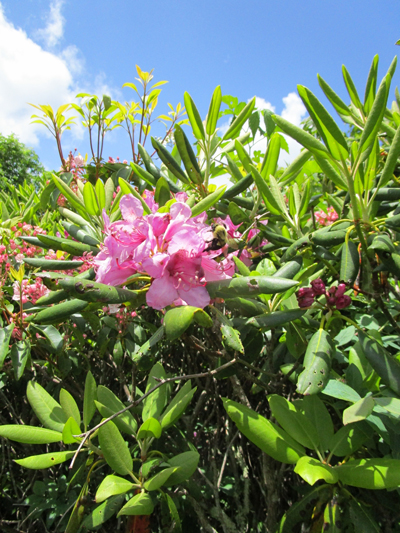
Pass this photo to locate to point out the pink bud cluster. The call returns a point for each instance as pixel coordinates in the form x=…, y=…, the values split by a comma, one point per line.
x=326, y=219
x=171, y=248
x=123, y=315
x=335, y=296
x=31, y=292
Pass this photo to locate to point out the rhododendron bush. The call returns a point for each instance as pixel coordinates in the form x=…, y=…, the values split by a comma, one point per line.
x=180, y=356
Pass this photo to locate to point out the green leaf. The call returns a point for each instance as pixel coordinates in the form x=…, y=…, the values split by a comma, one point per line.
x=341, y=108
x=249, y=286
x=162, y=193
x=375, y=117
x=386, y=366
x=60, y=312
x=48, y=411
x=234, y=129
x=112, y=404
x=270, y=161
x=114, y=449
x=231, y=338
x=392, y=405
x=350, y=262
x=5, y=336
x=305, y=139
x=206, y=203
x=317, y=364
x=169, y=161
x=194, y=117
x=360, y=516
x=71, y=428
x=359, y=410
x=292, y=171
x=187, y=155
x=341, y=391
x=315, y=410
x=90, y=395
x=178, y=319
x=370, y=87
x=178, y=405
x=326, y=126
x=141, y=504
x=159, y=479
x=150, y=428
x=312, y=470
x=243, y=156
x=108, y=194
x=373, y=474
x=20, y=353
x=46, y=460
x=154, y=404
x=91, y=291
x=52, y=335
x=271, y=439
x=297, y=425
x=186, y=463
x=30, y=434
x=273, y=320
x=112, y=485
x=351, y=89
x=103, y=512
x=213, y=111
x=347, y=440
x=391, y=161
x=89, y=197
x=69, y=406
x=70, y=196
x=331, y=172
x=267, y=195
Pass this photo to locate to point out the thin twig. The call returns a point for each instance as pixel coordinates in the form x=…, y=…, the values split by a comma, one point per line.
x=86, y=435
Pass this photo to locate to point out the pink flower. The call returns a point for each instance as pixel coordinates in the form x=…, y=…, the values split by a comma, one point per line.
x=326, y=219
x=318, y=286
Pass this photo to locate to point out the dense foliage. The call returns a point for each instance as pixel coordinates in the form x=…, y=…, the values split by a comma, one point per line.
x=17, y=162
x=178, y=356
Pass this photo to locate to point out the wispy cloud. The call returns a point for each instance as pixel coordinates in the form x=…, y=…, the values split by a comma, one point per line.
x=53, y=32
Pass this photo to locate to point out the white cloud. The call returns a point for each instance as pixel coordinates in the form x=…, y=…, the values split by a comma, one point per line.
x=28, y=74
x=294, y=112
x=53, y=32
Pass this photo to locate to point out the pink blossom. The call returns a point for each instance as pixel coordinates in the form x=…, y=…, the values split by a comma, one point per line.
x=326, y=219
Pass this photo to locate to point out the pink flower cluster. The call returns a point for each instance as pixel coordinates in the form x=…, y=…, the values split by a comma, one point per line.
x=170, y=247
x=15, y=250
x=31, y=292
x=326, y=219
x=335, y=296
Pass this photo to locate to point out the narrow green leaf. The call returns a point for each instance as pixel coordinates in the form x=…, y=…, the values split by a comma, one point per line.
x=177, y=406
x=100, y=194
x=351, y=89
x=113, y=405
x=60, y=312
x=341, y=108
x=370, y=87
x=213, y=111
x=315, y=410
x=194, y=117
x=266, y=193
x=249, y=286
x=169, y=161
x=391, y=161
x=243, y=156
x=206, y=203
x=347, y=440
x=359, y=410
x=234, y=129
x=350, y=262
x=30, y=434
x=372, y=474
x=46, y=460
x=90, y=395
x=20, y=352
x=71, y=428
x=186, y=463
x=317, y=364
x=231, y=338
x=154, y=404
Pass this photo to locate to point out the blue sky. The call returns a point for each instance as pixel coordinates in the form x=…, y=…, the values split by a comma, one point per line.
x=52, y=49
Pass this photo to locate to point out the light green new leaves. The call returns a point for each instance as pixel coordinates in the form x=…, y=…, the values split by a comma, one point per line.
x=150, y=429
x=194, y=117
x=48, y=411
x=271, y=439
x=359, y=410
x=114, y=449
